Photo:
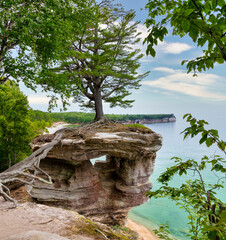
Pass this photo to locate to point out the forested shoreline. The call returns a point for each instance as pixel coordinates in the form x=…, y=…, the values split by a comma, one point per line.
x=81, y=117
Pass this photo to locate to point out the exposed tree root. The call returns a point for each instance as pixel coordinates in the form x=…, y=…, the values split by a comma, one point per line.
x=96, y=125
x=26, y=170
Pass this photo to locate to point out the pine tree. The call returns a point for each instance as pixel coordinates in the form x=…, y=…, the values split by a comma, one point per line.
x=101, y=64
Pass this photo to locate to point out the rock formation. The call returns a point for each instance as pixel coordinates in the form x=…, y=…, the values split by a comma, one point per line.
x=107, y=189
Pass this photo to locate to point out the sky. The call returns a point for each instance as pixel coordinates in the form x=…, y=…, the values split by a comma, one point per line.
x=168, y=88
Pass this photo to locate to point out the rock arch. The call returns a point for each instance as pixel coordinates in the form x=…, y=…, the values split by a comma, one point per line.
x=107, y=190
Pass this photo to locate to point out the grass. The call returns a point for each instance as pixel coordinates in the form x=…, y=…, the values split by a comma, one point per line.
x=87, y=227
x=137, y=125
x=73, y=126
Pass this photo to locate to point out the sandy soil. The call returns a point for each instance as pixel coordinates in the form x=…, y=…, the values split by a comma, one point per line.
x=144, y=233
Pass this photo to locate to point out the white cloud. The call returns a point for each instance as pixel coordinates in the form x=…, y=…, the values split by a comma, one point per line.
x=181, y=82
x=43, y=100
x=165, y=69
x=38, y=99
x=141, y=28
x=174, y=47
x=163, y=47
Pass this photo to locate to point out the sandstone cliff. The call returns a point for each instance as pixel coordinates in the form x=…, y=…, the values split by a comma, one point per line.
x=105, y=190
x=157, y=120
x=31, y=221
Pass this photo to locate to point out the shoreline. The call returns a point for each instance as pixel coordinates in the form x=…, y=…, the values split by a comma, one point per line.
x=144, y=232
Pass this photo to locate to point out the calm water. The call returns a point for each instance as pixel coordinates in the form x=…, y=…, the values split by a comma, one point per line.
x=164, y=211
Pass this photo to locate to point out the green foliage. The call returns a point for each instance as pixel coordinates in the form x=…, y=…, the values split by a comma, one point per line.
x=163, y=232
x=101, y=63
x=203, y=21
x=16, y=128
x=125, y=231
x=81, y=117
x=135, y=117
x=206, y=213
x=38, y=27
x=136, y=126
x=208, y=136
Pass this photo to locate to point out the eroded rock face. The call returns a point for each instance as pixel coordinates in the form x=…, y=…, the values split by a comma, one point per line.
x=106, y=190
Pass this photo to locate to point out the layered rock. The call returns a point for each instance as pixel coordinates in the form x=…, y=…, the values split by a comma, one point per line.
x=107, y=189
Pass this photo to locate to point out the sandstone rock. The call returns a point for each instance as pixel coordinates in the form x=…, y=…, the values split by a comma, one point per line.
x=106, y=190
x=32, y=217
x=36, y=235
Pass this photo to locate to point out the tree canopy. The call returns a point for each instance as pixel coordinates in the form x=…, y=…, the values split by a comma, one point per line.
x=101, y=63
x=38, y=27
x=14, y=125
x=16, y=128
x=82, y=117
x=203, y=21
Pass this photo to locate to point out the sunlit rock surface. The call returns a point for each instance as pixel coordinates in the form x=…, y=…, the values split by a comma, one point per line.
x=105, y=190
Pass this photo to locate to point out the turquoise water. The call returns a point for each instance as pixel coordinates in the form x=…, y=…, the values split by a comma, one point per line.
x=164, y=211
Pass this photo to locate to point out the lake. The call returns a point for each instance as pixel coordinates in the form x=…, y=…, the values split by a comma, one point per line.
x=164, y=211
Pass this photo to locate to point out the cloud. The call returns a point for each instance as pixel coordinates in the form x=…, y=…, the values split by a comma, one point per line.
x=141, y=28
x=179, y=81
x=42, y=100
x=165, y=69
x=173, y=47
x=162, y=48
x=38, y=99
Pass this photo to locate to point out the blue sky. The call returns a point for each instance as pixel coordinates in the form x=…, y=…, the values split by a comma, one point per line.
x=168, y=88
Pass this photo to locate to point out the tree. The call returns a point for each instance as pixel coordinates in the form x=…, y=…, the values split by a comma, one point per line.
x=33, y=32
x=206, y=213
x=203, y=21
x=16, y=129
x=101, y=63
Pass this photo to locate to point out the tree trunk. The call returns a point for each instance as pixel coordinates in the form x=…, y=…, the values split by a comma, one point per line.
x=98, y=105
x=14, y=157
x=9, y=160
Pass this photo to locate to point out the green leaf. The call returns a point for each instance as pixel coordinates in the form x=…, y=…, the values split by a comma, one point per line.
x=218, y=167
x=220, y=60
x=193, y=34
x=209, y=141
x=221, y=3
x=188, y=12
x=221, y=145
x=214, y=4
x=212, y=19
x=187, y=114
x=202, y=41
x=151, y=51
x=203, y=139
x=214, y=132
x=185, y=25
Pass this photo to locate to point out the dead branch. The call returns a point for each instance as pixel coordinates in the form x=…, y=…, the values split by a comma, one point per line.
x=26, y=170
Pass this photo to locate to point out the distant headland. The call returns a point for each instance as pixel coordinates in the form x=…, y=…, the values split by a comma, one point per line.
x=81, y=117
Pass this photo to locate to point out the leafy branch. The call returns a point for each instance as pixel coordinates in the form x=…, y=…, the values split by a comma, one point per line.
x=208, y=136
x=206, y=213
x=203, y=21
